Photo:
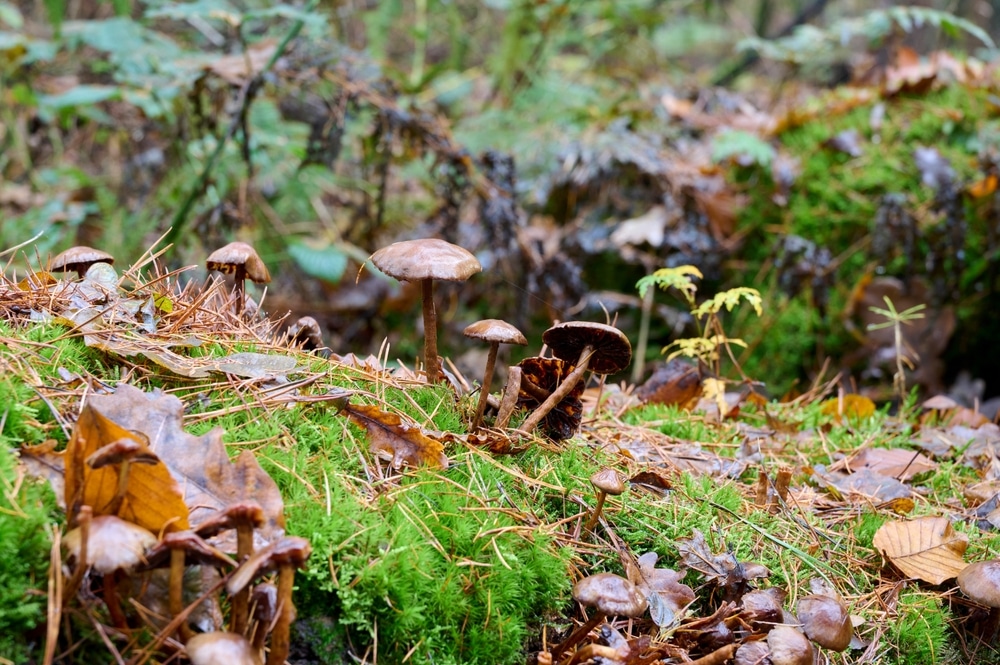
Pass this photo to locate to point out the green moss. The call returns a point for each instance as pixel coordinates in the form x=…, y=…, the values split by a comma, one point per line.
x=919, y=635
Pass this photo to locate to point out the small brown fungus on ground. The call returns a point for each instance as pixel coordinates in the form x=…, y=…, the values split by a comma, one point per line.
x=426, y=260
x=980, y=581
x=221, y=649
x=600, y=348
x=610, y=595
x=605, y=481
x=242, y=261
x=826, y=621
x=496, y=332
x=305, y=332
x=79, y=259
x=789, y=646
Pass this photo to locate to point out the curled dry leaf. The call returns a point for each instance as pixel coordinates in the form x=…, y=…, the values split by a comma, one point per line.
x=926, y=548
x=398, y=441
x=662, y=587
x=724, y=569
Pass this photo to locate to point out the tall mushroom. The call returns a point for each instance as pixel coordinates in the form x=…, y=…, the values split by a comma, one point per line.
x=79, y=259
x=496, y=332
x=426, y=260
x=605, y=481
x=242, y=261
x=600, y=348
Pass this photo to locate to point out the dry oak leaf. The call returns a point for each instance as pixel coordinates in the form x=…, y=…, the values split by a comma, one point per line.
x=390, y=437
x=152, y=498
x=208, y=479
x=927, y=549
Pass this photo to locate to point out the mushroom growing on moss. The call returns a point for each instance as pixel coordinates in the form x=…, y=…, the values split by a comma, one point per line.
x=980, y=581
x=496, y=332
x=609, y=595
x=600, y=348
x=242, y=261
x=605, y=481
x=425, y=261
x=826, y=621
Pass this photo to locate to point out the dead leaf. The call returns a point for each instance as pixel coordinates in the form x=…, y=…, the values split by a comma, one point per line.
x=677, y=382
x=539, y=378
x=851, y=406
x=723, y=569
x=927, y=548
x=895, y=463
x=152, y=498
x=235, y=69
x=661, y=586
x=210, y=481
x=391, y=437
x=865, y=483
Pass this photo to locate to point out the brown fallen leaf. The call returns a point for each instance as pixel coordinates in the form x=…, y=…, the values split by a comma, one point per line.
x=209, y=480
x=150, y=497
x=926, y=548
x=895, y=463
x=662, y=587
x=398, y=441
x=723, y=569
x=677, y=382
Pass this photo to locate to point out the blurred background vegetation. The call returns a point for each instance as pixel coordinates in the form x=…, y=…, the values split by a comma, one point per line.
x=574, y=145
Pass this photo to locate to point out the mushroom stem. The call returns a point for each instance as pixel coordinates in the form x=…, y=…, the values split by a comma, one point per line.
x=559, y=393
x=241, y=275
x=110, y=595
x=509, y=401
x=175, y=595
x=594, y=516
x=241, y=601
x=484, y=390
x=83, y=523
x=281, y=635
x=431, y=365
x=577, y=635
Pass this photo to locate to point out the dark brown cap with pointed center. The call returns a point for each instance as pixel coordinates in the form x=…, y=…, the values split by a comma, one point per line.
x=196, y=552
x=239, y=258
x=79, y=259
x=612, y=351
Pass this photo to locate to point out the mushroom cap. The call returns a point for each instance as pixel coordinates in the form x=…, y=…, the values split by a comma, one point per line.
x=221, y=649
x=611, y=594
x=752, y=653
x=608, y=481
x=980, y=581
x=495, y=330
x=612, y=350
x=79, y=258
x=762, y=609
x=196, y=551
x=826, y=621
x=289, y=551
x=239, y=254
x=248, y=513
x=122, y=450
x=112, y=544
x=427, y=258
x=789, y=646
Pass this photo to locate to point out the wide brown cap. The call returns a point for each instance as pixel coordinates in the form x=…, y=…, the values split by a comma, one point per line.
x=980, y=581
x=79, y=258
x=112, y=544
x=825, y=621
x=608, y=481
x=221, y=649
x=789, y=646
x=197, y=552
x=427, y=258
x=611, y=594
x=289, y=551
x=495, y=330
x=237, y=255
x=612, y=350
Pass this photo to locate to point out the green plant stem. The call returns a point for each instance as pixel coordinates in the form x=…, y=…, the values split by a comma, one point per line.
x=181, y=216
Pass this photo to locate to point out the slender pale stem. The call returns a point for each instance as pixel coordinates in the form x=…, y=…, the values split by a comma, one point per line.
x=592, y=522
x=431, y=365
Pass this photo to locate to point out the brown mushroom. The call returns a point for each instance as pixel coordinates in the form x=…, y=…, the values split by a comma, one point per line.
x=124, y=453
x=600, y=348
x=789, y=646
x=426, y=260
x=221, y=649
x=605, y=481
x=980, y=581
x=113, y=546
x=242, y=261
x=305, y=332
x=79, y=259
x=609, y=595
x=496, y=332
x=826, y=621
x=284, y=555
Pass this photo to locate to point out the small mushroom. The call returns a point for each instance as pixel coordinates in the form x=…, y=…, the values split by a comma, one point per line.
x=242, y=261
x=426, y=260
x=305, y=332
x=79, y=259
x=762, y=609
x=221, y=649
x=605, y=481
x=610, y=595
x=124, y=453
x=789, y=646
x=113, y=546
x=264, y=602
x=496, y=332
x=753, y=653
x=284, y=555
x=600, y=348
x=980, y=581
x=826, y=621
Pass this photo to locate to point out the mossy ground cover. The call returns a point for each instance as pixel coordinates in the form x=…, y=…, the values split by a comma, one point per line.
x=474, y=563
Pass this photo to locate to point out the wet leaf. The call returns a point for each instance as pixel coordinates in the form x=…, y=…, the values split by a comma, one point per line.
x=895, y=463
x=152, y=498
x=724, y=569
x=926, y=548
x=677, y=382
x=391, y=437
x=661, y=586
x=850, y=406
